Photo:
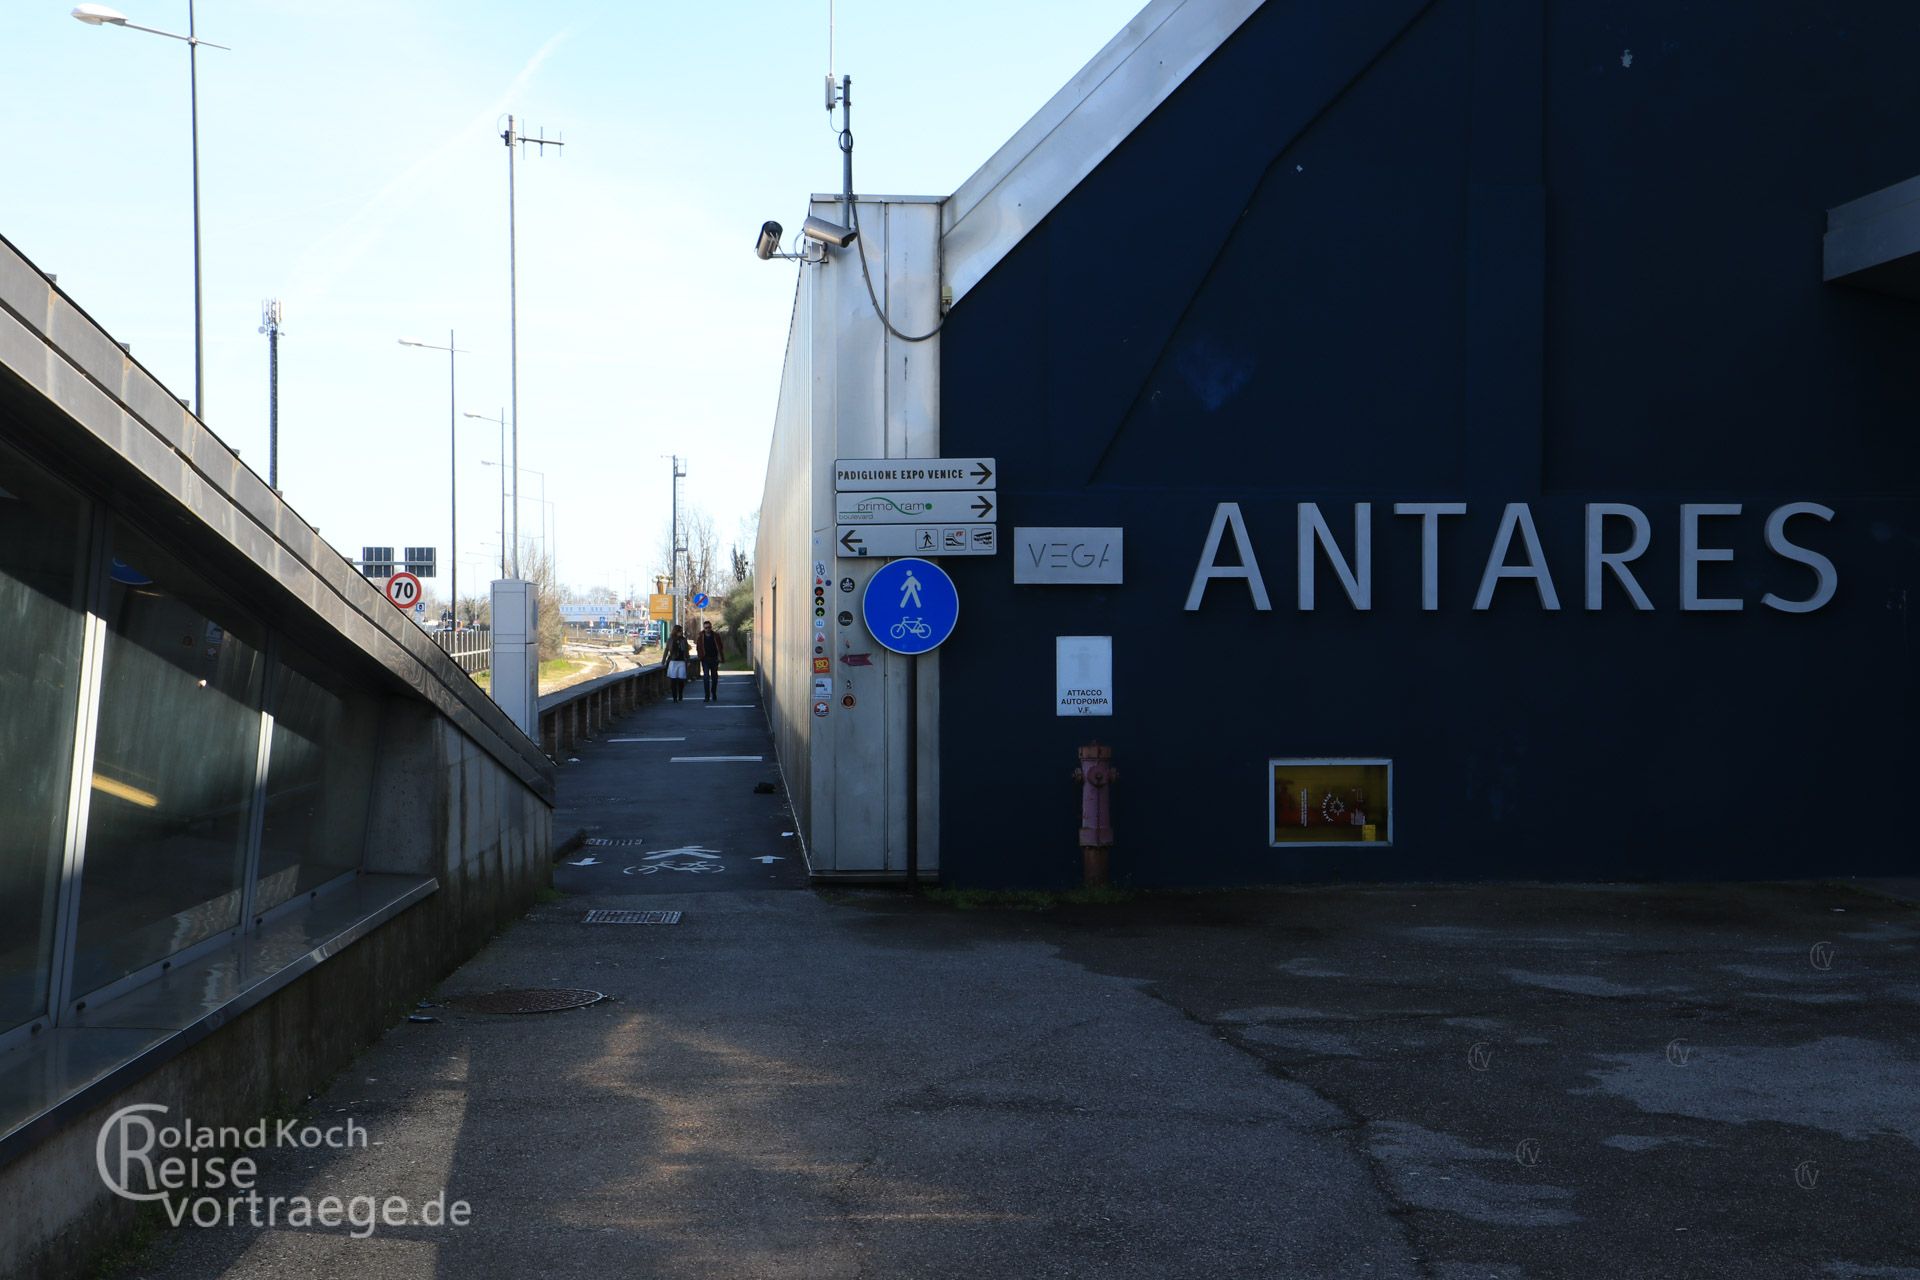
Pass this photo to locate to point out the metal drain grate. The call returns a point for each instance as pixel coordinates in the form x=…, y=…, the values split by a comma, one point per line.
x=633, y=917
x=527, y=1001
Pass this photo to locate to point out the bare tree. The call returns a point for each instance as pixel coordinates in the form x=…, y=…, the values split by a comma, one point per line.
x=703, y=553
x=538, y=567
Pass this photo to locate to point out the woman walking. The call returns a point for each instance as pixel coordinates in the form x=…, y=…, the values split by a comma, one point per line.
x=677, y=650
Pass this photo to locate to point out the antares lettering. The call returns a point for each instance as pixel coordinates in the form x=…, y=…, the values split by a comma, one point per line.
x=1516, y=555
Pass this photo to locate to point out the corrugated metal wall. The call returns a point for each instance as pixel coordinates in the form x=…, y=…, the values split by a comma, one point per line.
x=783, y=573
x=1488, y=252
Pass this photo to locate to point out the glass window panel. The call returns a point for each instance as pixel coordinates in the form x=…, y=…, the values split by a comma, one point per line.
x=42, y=581
x=1331, y=801
x=174, y=765
x=319, y=782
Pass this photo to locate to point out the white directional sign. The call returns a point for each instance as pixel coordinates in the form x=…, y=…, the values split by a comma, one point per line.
x=933, y=506
x=916, y=540
x=913, y=473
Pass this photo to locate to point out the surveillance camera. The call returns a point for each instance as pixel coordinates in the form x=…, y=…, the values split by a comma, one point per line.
x=828, y=232
x=769, y=242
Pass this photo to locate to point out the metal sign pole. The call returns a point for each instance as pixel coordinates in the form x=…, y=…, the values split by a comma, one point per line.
x=913, y=773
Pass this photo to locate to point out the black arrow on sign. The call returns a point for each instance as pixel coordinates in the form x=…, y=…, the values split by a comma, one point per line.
x=981, y=505
x=981, y=470
x=854, y=543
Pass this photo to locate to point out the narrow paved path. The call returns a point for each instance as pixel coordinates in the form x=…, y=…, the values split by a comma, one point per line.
x=668, y=802
x=795, y=1084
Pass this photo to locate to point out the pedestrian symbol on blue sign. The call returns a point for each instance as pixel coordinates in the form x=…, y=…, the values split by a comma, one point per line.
x=699, y=599
x=911, y=606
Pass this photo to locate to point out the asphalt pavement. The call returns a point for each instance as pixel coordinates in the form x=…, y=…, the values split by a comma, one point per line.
x=679, y=797
x=1509, y=1083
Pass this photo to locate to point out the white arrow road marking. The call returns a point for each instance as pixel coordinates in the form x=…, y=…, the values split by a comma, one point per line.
x=585, y=862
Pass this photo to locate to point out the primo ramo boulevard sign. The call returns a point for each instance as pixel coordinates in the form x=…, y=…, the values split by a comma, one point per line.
x=1616, y=535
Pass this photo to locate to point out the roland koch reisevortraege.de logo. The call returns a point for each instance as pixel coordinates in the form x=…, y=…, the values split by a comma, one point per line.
x=209, y=1175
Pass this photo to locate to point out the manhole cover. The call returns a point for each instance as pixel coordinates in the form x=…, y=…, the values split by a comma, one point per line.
x=527, y=1001
x=633, y=917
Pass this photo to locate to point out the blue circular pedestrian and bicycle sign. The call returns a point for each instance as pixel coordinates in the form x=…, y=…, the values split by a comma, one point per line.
x=911, y=606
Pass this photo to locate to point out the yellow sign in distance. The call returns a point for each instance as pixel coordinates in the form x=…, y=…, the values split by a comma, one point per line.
x=660, y=608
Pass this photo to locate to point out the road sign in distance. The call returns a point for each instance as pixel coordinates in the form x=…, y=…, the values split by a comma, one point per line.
x=404, y=590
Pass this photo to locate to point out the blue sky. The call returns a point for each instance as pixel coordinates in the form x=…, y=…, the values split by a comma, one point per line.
x=350, y=166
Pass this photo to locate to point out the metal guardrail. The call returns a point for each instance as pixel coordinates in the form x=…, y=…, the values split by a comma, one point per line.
x=574, y=714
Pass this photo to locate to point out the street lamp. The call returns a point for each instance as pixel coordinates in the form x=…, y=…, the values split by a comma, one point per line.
x=98, y=15
x=453, y=466
x=502, y=420
x=548, y=546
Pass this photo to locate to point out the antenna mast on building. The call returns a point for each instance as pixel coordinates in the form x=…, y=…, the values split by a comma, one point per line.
x=270, y=325
x=841, y=95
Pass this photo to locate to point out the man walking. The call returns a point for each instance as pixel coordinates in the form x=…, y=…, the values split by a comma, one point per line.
x=712, y=649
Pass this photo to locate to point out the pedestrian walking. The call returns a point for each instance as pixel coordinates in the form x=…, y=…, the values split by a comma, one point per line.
x=677, y=651
x=712, y=649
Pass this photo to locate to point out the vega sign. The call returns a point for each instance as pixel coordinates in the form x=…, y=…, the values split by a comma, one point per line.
x=1616, y=535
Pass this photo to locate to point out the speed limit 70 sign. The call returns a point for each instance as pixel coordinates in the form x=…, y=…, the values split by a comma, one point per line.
x=404, y=590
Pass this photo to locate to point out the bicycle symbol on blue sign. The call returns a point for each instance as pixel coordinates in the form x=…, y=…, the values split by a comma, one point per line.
x=911, y=606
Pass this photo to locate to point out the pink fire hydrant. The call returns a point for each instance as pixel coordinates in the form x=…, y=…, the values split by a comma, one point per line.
x=1095, y=774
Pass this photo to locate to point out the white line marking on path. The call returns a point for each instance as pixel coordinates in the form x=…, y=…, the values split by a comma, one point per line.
x=646, y=739
x=715, y=759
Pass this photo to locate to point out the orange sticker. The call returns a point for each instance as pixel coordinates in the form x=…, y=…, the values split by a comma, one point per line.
x=823, y=666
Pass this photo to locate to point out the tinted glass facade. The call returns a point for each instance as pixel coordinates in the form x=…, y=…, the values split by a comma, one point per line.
x=42, y=578
x=171, y=769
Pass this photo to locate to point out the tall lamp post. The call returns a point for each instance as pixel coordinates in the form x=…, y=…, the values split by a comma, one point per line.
x=453, y=466
x=98, y=15
x=514, y=138
x=502, y=420
x=546, y=545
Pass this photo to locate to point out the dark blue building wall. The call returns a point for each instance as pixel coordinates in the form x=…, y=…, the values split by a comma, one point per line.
x=1490, y=252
